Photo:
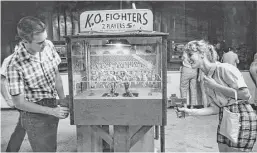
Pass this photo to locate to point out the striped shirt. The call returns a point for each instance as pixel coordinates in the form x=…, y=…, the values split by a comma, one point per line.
x=35, y=76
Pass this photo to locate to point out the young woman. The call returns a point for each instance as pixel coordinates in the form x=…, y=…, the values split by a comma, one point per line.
x=221, y=80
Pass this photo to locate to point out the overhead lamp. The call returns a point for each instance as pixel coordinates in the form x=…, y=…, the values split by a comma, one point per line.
x=117, y=42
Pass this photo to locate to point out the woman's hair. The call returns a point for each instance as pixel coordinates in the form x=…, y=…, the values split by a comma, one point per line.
x=28, y=27
x=202, y=46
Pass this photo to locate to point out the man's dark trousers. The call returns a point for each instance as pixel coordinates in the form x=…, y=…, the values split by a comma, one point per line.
x=17, y=137
x=41, y=128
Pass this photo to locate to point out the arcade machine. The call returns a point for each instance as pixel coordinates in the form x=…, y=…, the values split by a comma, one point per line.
x=117, y=84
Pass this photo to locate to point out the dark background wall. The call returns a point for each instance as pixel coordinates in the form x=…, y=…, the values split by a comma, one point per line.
x=12, y=11
x=234, y=22
x=240, y=29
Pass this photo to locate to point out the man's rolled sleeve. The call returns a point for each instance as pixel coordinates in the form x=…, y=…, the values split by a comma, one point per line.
x=15, y=81
x=2, y=72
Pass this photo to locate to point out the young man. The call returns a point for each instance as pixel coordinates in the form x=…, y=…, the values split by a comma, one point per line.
x=19, y=132
x=34, y=83
x=230, y=57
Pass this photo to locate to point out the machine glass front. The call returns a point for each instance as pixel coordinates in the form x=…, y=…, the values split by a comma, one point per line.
x=117, y=68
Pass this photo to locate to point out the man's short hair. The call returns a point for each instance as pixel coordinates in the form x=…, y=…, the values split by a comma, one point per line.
x=29, y=26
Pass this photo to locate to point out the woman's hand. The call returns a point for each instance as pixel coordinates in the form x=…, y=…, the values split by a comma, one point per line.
x=183, y=109
x=213, y=110
x=209, y=82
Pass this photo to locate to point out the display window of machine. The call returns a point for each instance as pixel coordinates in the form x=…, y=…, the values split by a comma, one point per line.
x=116, y=79
x=117, y=68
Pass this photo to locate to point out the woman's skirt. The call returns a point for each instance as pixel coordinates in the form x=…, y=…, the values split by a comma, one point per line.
x=248, y=128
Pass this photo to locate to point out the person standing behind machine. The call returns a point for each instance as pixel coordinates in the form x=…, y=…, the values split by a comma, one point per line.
x=253, y=73
x=253, y=69
x=219, y=47
x=188, y=81
x=34, y=83
x=230, y=57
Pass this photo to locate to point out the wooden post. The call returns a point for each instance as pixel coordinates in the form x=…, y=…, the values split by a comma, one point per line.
x=156, y=132
x=106, y=146
x=164, y=92
x=162, y=139
x=121, y=138
x=87, y=139
x=96, y=142
x=83, y=138
x=70, y=77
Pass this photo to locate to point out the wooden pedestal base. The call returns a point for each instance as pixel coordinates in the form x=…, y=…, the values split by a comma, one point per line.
x=120, y=139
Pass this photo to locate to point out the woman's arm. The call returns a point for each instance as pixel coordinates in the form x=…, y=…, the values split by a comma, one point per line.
x=242, y=93
x=213, y=110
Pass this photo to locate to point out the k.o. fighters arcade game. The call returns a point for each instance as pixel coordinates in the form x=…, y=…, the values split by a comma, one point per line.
x=117, y=80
